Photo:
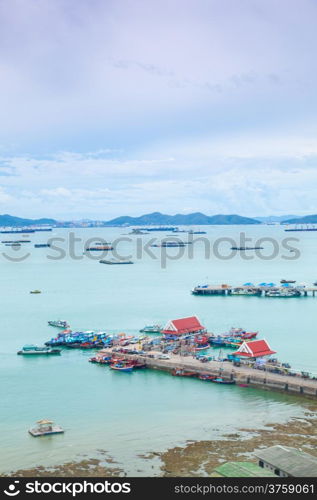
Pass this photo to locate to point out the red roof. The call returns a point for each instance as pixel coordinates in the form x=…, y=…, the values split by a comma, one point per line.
x=183, y=325
x=254, y=349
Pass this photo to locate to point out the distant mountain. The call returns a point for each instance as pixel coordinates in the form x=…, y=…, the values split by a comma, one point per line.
x=11, y=221
x=307, y=219
x=276, y=218
x=199, y=219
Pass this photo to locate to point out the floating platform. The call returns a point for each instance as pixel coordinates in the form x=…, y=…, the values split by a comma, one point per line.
x=55, y=429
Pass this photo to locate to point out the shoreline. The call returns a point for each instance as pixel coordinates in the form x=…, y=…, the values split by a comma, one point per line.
x=195, y=458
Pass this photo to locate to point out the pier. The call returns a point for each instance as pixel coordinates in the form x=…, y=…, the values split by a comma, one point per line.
x=253, y=290
x=228, y=371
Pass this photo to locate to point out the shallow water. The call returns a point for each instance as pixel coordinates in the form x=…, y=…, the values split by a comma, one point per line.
x=131, y=414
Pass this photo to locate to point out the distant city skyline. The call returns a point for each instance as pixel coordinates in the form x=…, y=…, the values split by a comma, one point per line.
x=129, y=107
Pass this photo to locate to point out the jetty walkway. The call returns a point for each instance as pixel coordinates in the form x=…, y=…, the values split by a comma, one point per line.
x=240, y=374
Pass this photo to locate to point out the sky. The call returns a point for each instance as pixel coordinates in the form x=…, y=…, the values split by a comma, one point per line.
x=125, y=107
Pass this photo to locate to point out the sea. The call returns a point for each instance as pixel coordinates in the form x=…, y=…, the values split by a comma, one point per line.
x=131, y=415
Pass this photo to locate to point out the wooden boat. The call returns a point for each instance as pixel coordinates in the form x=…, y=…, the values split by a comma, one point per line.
x=35, y=291
x=220, y=380
x=58, y=323
x=205, y=376
x=99, y=248
x=31, y=350
x=122, y=367
x=183, y=373
x=45, y=428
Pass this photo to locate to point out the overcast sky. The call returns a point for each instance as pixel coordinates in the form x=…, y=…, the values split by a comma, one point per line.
x=115, y=107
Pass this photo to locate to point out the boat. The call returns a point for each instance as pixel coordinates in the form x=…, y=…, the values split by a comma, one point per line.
x=35, y=291
x=288, y=281
x=59, y=323
x=15, y=241
x=15, y=244
x=42, y=245
x=196, y=232
x=17, y=231
x=31, y=350
x=183, y=373
x=220, y=380
x=246, y=291
x=115, y=261
x=99, y=248
x=45, y=428
x=246, y=248
x=151, y=329
x=283, y=293
x=122, y=367
x=205, y=376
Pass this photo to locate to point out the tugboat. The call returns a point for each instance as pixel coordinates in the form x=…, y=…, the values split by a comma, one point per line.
x=31, y=350
x=45, y=428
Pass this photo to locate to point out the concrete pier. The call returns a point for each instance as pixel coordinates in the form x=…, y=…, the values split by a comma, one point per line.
x=240, y=374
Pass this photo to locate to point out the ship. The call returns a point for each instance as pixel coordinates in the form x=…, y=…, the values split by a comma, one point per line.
x=115, y=261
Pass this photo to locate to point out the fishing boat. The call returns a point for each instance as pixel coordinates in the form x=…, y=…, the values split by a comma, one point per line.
x=205, y=376
x=35, y=291
x=115, y=261
x=151, y=329
x=282, y=293
x=31, y=350
x=246, y=291
x=122, y=366
x=45, y=428
x=59, y=323
x=220, y=380
x=183, y=373
x=99, y=248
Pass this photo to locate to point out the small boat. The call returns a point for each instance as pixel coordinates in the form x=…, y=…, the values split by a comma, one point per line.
x=288, y=281
x=220, y=380
x=122, y=367
x=246, y=248
x=183, y=373
x=14, y=244
x=115, y=261
x=59, y=323
x=99, y=248
x=283, y=293
x=205, y=376
x=42, y=245
x=151, y=329
x=35, y=291
x=45, y=428
x=31, y=350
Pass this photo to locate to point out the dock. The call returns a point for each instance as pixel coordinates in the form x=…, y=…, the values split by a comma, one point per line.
x=228, y=371
x=251, y=290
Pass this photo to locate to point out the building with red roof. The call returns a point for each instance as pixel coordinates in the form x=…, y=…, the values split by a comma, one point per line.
x=254, y=349
x=183, y=326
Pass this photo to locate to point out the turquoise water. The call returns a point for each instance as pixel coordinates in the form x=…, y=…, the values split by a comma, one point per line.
x=131, y=414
